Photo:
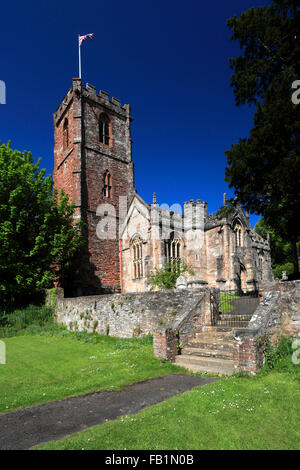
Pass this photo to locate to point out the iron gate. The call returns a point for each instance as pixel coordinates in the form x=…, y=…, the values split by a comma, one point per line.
x=236, y=308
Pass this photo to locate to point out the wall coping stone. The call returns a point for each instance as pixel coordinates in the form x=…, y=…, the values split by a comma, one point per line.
x=181, y=318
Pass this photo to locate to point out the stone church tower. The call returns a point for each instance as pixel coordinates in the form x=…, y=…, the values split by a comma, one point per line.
x=93, y=164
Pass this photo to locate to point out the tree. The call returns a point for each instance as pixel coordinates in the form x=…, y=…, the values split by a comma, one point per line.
x=281, y=250
x=38, y=237
x=264, y=168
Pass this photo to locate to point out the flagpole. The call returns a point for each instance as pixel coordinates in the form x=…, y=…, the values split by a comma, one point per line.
x=79, y=56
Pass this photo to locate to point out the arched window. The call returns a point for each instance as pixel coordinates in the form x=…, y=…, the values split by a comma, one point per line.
x=107, y=185
x=104, y=129
x=238, y=230
x=260, y=262
x=66, y=134
x=137, y=247
x=173, y=250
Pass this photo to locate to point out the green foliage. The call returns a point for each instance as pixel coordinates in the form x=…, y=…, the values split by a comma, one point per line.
x=95, y=325
x=264, y=168
x=281, y=250
x=226, y=301
x=278, y=357
x=288, y=267
x=166, y=277
x=226, y=211
x=52, y=297
x=22, y=318
x=38, y=237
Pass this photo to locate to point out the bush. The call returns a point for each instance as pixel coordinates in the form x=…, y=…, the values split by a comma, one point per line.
x=31, y=315
x=288, y=267
x=166, y=277
x=279, y=357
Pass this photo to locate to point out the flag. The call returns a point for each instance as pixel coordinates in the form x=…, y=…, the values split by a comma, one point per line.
x=82, y=38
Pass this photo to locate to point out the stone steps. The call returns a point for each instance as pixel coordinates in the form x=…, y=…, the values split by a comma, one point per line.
x=206, y=364
x=213, y=352
x=209, y=351
x=228, y=316
x=216, y=337
x=210, y=345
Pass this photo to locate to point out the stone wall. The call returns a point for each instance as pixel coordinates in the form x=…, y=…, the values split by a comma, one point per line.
x=125, y=315
x=249, y=342
x=288, y=321
x=165, y=343
x=277, y=314
x=188, y=321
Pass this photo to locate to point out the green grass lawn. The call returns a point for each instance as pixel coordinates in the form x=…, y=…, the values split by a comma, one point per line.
x=260, y=413
x=55, y=365
x=49, y=363
x=226, y=303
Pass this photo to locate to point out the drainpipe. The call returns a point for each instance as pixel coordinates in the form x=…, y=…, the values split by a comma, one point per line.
x=121, y=274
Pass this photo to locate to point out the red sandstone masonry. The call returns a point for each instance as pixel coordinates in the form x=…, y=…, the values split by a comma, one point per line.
x=165, y=343
x=79, y=170
x=248, y=356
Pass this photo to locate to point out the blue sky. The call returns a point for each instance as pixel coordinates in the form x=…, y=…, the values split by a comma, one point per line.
x=168, y=59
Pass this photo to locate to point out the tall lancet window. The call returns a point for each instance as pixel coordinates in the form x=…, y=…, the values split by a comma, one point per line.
x=238, y=230
x=173, y=250
x=66, y=134
x=104, y=129
x=107, y=185
x=137, y=258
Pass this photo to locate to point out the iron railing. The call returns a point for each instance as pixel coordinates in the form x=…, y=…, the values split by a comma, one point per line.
x=236, y=308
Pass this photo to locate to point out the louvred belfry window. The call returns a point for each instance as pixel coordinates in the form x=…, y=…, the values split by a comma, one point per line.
x=107, y=185
x=104, y=129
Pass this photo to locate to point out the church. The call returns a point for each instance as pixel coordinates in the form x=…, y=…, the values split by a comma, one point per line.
x=126, y=238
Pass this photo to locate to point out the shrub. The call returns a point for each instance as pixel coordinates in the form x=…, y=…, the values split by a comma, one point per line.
x=166, y=277
x=279, y=356
x=21, y=318
x=288, y=267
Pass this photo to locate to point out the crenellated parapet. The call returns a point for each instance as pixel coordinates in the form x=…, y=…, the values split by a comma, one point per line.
x=194, y=214
x=89, y=92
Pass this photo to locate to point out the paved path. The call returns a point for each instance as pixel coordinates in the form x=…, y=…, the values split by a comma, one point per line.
x=27, y=427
